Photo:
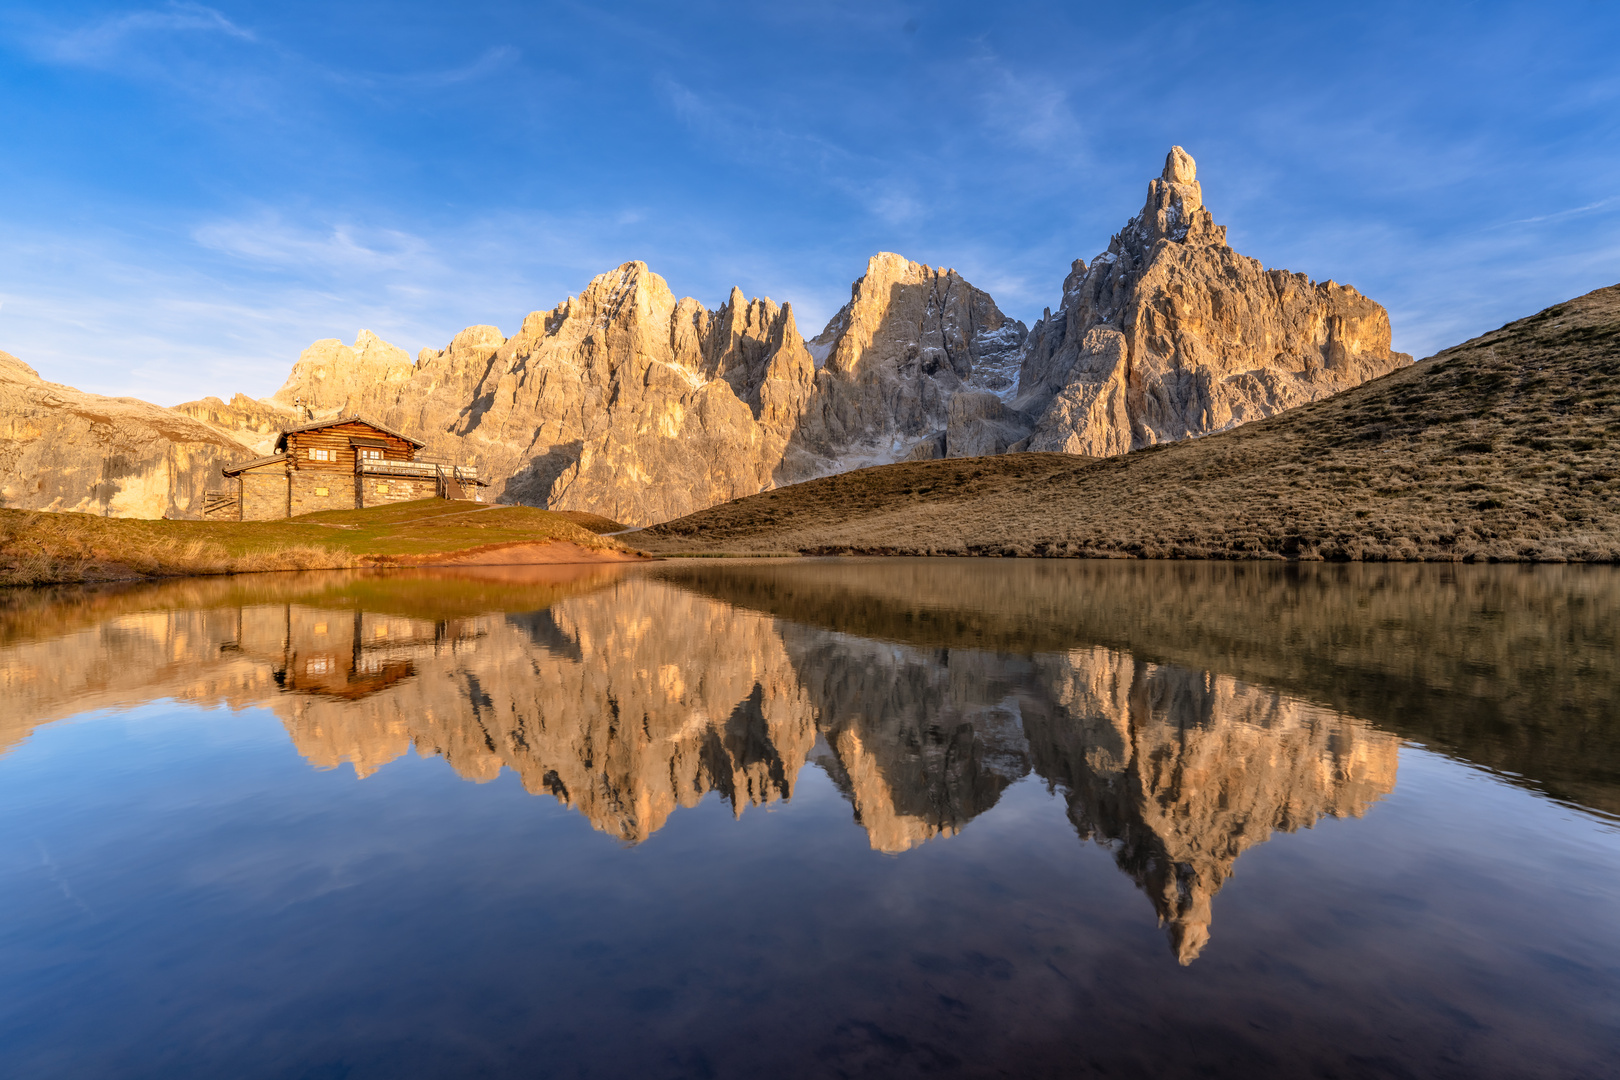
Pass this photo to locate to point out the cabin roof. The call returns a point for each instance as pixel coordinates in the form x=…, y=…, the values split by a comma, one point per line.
x=353, y=418
x=268, y=459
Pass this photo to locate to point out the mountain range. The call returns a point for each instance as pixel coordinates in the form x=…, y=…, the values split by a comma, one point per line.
x=629, y=403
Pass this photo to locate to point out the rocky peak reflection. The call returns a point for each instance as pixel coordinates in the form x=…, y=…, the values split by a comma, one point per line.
x=626, y=697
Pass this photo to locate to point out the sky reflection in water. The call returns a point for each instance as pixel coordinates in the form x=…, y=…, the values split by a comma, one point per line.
x=862, y=817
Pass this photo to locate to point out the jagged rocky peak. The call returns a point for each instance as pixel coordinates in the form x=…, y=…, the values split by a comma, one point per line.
x=909, y=339
x=1175, y=206
x=630, y=295
x=932, y=318
x=1171, y=334
x=330, y=376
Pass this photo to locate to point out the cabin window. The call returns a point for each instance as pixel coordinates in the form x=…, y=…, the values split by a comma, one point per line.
x=321, y=455
x=375, y=455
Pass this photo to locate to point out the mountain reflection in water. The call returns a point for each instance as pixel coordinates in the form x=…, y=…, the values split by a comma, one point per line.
x=625, y=696
x=917, y=752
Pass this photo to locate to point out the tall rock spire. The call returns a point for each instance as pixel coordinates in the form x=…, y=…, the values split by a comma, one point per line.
x=1171, y=334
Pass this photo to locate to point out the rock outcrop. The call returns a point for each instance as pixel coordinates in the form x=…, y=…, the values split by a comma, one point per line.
x=895, y=358
x=1171, y=334
x=63, y=449
x=631, y=404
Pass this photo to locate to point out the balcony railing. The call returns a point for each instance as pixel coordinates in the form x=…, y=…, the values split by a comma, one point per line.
x=423, y=469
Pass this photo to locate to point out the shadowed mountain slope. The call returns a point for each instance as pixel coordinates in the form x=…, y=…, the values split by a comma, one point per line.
x=1505, y=447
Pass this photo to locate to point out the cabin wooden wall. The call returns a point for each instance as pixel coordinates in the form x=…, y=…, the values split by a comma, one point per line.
x=336, y=439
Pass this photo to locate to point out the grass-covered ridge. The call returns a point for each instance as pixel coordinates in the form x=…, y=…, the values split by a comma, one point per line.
x=1506, y=447
x=44, y=548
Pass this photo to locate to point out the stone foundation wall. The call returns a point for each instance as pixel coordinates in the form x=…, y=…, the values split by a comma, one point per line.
x=384, y=491
x=264, y=496
x=315, y=491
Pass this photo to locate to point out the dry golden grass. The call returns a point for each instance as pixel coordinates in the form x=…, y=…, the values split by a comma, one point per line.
x=45, y=548
x=596, y=523
x=1505, y=448
x=38, y=548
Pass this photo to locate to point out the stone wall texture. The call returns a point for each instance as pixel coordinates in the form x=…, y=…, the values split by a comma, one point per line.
x=380, y=491
x=264, y=495
x=315, y=491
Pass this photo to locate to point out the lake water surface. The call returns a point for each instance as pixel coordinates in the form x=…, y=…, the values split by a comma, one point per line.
x=843, y=818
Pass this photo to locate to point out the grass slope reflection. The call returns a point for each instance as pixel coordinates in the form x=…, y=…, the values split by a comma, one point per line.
x=627, y=696
x=1512, y=668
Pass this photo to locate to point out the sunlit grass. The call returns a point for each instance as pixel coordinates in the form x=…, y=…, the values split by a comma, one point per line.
x=42, y=548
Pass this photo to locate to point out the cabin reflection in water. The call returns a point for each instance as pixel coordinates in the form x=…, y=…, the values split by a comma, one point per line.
x=342, y=654
x=626, y=703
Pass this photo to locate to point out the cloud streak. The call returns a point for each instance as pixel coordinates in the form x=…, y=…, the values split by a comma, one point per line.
x=104, y=41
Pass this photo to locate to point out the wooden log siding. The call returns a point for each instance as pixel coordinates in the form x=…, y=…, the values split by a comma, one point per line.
x=336, y=440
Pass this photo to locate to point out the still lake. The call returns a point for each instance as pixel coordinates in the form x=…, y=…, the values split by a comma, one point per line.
x=843, y=818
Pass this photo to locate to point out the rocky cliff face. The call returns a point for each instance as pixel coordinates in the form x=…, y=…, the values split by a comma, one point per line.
x=910, y=341
x=1170, y=334
x=62, y=449
x=629, y=403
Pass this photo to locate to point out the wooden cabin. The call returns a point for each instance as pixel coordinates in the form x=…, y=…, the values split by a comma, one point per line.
x=345, y=463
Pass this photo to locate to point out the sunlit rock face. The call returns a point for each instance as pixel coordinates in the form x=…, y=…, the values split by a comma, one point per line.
x=62, y=449
x=623, y=401
x=626, y=697
x=1171, y=334
x=909, y=342
x=629, y=403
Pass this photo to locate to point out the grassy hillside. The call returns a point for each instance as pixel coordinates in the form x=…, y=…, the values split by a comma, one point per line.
x=1506, y=447
x=43, y=548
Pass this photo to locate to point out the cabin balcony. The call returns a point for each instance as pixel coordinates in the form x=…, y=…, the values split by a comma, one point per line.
x=418, y=468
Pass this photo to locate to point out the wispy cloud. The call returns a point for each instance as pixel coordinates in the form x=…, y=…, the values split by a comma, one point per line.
x=491, y=62
x=1559, y=215
x=104, y=41
x=272, y=243
x=1030, y=109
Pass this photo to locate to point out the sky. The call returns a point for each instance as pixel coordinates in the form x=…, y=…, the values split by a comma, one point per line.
x=192, y=193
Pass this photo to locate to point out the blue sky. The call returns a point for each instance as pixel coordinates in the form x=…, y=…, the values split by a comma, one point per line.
x=189, y=193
